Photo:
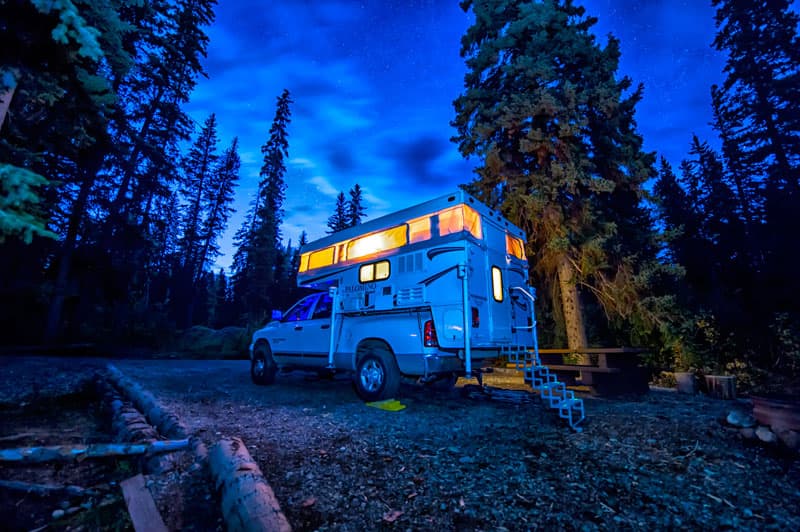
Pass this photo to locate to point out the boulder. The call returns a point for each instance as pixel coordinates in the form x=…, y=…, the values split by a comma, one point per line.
x=737, y=418
x=766, y=435
x=790, y=439
x=747, y=433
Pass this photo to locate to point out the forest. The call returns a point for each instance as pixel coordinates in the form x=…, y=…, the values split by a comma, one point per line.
x=113, y=202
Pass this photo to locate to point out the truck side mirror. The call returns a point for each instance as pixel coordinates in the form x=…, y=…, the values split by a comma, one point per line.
x=277, y=315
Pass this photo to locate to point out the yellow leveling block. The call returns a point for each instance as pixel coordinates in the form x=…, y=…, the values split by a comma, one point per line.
x=392, y=405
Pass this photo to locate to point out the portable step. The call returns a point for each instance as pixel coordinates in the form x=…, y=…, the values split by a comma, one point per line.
x=553, y=392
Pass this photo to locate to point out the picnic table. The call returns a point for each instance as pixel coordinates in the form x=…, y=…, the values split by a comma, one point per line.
x=611, y=371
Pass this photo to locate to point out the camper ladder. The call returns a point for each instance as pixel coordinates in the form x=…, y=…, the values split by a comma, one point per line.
x=553, y=392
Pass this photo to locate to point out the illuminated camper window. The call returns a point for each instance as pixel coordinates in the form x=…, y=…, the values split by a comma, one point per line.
x=377, y=271
x=377, y=242
x=460, y=218
x=497, y=284
x=321, y=258
x=419, y=229
x=515, y=247
x=304, y=262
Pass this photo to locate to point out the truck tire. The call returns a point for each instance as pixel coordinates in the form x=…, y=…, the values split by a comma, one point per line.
x=377, y=376
x=262, y=366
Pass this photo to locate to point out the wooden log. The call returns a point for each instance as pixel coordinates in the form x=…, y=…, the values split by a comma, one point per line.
x=46, y=490
x=141, y=507
x=97, y=450
x=166, y=422
x=248, y=502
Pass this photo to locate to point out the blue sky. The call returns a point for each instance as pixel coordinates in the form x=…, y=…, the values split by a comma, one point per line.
x=373, y=85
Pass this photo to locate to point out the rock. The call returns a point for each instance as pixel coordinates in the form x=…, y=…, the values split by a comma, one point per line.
x=747, y=433
x=58, y=514
x=737, y=418
x=790, y=438
x=766, y=435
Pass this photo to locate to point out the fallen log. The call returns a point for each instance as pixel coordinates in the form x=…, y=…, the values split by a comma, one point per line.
x=46, y=490
x=165, y=421
x=97, y=450
x=248, y=502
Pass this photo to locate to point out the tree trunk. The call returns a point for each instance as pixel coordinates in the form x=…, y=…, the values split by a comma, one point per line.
x=571, y=307
x=53, y=325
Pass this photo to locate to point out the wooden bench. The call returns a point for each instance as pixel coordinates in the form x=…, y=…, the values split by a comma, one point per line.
x=616, y=370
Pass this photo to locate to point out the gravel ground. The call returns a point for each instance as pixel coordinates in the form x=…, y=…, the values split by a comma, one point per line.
x=451, y=462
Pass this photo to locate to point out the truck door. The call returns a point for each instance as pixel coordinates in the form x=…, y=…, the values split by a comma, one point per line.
x=289, y=339
x=317, y=333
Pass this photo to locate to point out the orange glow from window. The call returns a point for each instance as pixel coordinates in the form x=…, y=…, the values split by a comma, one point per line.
x=472, y=222
x=515, y=247
x=377, y=242
x=419, y=229
x=451, y=220
x=304, y=262
x=460, y=218
x=321, y=258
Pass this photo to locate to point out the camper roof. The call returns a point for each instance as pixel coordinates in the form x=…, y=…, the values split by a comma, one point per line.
x=410, y=213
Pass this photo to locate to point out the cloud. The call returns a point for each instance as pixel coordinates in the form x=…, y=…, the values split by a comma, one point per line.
x=324, y=186
x=302, y=163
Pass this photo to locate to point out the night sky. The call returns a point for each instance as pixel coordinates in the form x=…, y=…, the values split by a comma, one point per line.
x=373, y=85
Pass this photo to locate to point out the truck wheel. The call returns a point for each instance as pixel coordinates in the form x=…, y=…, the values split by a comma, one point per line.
x=263, y=367
x=377, y=375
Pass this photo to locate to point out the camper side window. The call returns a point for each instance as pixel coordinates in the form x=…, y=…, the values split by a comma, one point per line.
x=377, y=271
x=497, y=284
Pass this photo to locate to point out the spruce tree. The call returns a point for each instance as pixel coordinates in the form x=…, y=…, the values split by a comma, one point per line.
x=553, y=128
x=339, y=219
x=355, y=207
x=217, y=200
x=259, y=249
x=756, y=115
x=196, y=187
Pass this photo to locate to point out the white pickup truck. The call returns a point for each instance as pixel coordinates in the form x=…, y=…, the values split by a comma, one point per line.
x=431, y=292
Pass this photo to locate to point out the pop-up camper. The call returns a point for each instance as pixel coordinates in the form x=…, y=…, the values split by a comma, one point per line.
x=433, y=291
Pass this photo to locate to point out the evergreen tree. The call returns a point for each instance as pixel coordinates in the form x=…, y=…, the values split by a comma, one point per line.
x=259, y=241
x=355, y=207
x=755, y=111
x=339, y=219
x=554, y=130
x=218, y=199
x=196, y=187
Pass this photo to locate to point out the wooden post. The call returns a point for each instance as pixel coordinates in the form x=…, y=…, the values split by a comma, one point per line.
x=248, y=502
x=722, y=386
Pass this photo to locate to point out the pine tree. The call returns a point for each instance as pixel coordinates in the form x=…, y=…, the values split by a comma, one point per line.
x=259, y=249
x=554, y=131
x=218, y=199
x=355, y=207
x=339, y=219
x=195, y=188
x=758, y=98
x=756, y=115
